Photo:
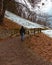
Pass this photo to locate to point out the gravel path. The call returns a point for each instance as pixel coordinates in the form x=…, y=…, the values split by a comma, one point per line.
x=14, y=52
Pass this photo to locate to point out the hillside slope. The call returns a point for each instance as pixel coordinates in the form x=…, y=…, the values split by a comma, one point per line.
x=40, y=44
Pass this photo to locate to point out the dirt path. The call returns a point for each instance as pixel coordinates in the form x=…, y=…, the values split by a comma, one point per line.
x=15, y=52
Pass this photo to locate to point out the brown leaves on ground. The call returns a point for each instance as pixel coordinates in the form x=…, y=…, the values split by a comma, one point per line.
x=41, y=45
x=10, y=25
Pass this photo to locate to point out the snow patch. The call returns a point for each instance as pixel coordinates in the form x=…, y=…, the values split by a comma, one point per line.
x=48, y=32
x=21, y=21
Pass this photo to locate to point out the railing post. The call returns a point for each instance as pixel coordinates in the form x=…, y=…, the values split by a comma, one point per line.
x=34, y=31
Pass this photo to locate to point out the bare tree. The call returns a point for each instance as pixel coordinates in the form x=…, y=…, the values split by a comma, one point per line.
x=25, y=11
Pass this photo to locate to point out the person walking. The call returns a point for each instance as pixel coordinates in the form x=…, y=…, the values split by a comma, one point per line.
x=22, y=33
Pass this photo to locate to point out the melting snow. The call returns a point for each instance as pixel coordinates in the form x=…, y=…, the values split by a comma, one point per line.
x=21, y=21
x=48, y=33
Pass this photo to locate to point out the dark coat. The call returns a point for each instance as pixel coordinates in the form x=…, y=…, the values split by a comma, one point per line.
x=22, y=30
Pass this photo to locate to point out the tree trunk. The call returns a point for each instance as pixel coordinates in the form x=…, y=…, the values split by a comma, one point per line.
x=3, y=4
